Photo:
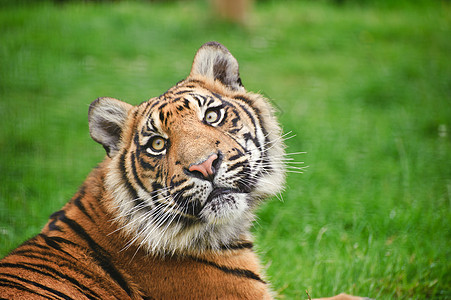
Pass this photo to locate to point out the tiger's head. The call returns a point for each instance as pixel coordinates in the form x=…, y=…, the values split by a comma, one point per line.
x=187, y=169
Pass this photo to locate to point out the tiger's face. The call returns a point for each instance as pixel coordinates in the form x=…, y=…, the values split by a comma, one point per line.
x=188, y=168
x=205, y=154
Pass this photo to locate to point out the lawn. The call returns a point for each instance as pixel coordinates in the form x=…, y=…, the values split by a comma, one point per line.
x=364, y=90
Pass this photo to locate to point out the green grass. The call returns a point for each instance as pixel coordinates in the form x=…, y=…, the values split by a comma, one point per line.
x=365, y=89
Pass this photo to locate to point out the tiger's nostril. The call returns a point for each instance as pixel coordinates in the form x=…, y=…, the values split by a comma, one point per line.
x=207, y=168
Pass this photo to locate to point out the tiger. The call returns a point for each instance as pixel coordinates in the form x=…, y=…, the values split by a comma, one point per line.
x=167, y=213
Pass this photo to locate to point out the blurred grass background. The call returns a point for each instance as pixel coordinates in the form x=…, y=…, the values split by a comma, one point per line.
x=364, y=85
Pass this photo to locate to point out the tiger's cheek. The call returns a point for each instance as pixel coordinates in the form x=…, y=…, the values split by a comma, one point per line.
x=239, y=126
x=175, y=175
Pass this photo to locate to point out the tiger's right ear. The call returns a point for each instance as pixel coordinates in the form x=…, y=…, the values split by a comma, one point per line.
x=107, y=117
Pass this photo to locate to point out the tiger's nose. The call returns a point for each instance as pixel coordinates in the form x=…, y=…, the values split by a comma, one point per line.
x=206, y=168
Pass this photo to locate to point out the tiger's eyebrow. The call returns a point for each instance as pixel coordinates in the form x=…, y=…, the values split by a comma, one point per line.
x=151, y=125
x=206, y=100
x=199, y=98
x=211, y=100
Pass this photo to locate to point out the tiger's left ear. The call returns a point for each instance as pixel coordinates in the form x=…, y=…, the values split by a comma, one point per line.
x=107, y=118
x=215, y=62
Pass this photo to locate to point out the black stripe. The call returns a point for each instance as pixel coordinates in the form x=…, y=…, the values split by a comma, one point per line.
x=146, y=130
x=163, y=104
x=38, y=268
x=52, y=242
x=186, y=103
x=83, y=289
x=198, y=99
x=135, y=172
x=183, y=92
x=94, y=206
x=174, y=184
x=147, y=166
x=125, y=180
x=217, y=96
x=61, y=261
x=55, y=292
x=211, y=100
x=245, y=245
x=234, y=166
x=153, y=127
x=193, y=81
x=140, y=157
x=53, y=258
x=12, y=284
x=249, y=184
x=236, y=272
x=236, y=156
x=156, y=190
x=248, y=136
x=224, y=117
x=176, y=99
x=257, y=113
x=48, y=257
x=249, y=114
x=242, y=98
x=100, y=255
x=52, y=225
x=255, y=140
x=41, y=256
x=158, y=173
x=186, y=188
x=155, y=102
x=57, y=239
x=32, y=243
x=236, y=119
x=79, y=204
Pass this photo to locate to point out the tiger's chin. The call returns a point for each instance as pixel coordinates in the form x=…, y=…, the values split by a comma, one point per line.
x=225, y=218
x=225, y=208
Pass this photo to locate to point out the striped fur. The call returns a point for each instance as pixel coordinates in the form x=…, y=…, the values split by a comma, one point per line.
x=166, y=215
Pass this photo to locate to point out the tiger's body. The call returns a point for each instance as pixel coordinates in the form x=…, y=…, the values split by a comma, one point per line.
x=167, y=214
x=80, y=254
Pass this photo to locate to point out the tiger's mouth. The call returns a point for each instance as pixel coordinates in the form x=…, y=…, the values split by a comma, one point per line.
x=219, y=192
x=224, y=206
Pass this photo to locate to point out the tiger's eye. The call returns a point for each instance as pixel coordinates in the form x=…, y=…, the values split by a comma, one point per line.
x=211, y=116
x=158, y=144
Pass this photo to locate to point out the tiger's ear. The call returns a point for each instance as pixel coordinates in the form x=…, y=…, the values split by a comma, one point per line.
x=107, y=117
x=215, y=62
